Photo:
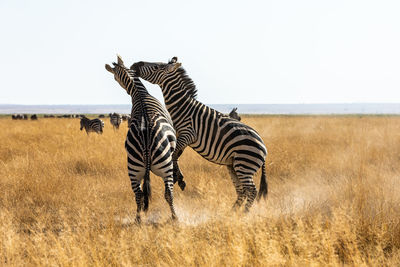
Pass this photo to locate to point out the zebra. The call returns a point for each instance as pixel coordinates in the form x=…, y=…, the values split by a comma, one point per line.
x=125, y=117
x=150, y=141
x=234, y=115
x=115, y=120
x=95, y=125
x=218, y=138
x=19, y=116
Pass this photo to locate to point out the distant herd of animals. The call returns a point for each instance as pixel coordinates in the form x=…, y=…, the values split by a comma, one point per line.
x=23, y=116
x=97, y=125
x=157, y=134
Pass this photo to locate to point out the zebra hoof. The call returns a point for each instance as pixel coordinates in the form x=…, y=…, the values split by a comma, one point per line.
x=182, y=184
x=174, y=218
x=138, y=220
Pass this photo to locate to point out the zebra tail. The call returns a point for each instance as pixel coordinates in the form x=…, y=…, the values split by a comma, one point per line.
x=146, y=189
x=263, y=184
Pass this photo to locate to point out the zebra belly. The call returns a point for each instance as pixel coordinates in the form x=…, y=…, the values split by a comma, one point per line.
x=230, y=141
x=214, y=158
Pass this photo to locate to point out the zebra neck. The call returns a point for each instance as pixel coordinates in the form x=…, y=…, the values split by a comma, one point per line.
x=134, y=86
x=179, y=105
x=175, y=93
x=139, y=103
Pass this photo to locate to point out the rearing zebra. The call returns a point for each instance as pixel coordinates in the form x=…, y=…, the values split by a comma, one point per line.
x=216, y=137
x=115, y=120
x=95, y=125
x=150, y=141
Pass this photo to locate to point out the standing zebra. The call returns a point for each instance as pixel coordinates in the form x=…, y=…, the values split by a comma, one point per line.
x=214, y=136
x=115, y=120
x=234, y=115
x=150, y=141
x=95, y=125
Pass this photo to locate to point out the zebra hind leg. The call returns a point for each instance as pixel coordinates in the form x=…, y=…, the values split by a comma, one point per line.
x=169, y=195
x=139, y=198
x=245, y=177
x=250, y=191
x=238, y=187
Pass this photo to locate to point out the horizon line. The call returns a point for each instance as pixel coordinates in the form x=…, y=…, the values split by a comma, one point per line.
x=312, y=103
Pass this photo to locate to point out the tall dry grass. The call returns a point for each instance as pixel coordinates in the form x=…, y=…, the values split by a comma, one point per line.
x=334, y=198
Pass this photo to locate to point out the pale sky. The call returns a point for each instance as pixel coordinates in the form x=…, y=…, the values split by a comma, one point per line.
x=53, y=52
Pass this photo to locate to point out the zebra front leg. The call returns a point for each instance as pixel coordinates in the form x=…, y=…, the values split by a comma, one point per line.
x=169, y=195
x=183, y=140
x=178, y=177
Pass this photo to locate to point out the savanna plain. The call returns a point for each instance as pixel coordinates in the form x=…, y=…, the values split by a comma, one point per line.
x=334, y=198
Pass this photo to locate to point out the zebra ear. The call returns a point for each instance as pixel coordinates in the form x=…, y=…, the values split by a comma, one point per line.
x=120, y=62
x=174, y=60
x=108, y=67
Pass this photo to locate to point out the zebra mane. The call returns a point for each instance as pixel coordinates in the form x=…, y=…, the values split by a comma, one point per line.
x=188, y=83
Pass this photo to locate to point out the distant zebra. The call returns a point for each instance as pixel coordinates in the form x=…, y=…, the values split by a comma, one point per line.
x=150, y=141
x=214, y=136
x=115, y=120
x=234, y=115
x=19, y=116
x=125, y=117
x=95, y=125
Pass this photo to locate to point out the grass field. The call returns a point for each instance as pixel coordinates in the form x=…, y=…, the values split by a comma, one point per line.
x=334, y=198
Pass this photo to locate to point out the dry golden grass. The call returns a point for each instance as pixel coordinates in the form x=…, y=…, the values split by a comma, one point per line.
x=334, y=198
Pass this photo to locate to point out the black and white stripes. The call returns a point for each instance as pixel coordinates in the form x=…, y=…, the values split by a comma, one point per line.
x=150, y=141
x=115, y=120
x=95, y=125
x=216, y=137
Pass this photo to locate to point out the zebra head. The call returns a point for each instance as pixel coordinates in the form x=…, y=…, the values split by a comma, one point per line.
x=234, y=115
x=121, y=73
x=82, y=123
x=155, y=72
